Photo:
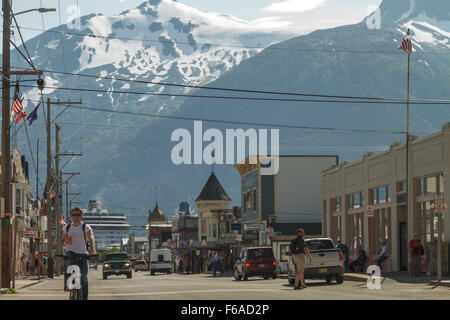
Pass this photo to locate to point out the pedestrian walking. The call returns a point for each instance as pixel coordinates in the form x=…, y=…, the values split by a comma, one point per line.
x=215, y=262
x=415, y=253
x=23, y=265
x=298, y=250
x=180, y=265
x=35, y=263
x=344, y=248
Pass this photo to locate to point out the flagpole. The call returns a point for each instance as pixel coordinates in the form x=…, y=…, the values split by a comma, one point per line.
x=408, y=189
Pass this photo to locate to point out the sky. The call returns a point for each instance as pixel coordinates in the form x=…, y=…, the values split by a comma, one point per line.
x=300, y=16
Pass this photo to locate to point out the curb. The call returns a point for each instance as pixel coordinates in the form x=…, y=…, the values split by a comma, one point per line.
x=438, y=283
x=354, y=278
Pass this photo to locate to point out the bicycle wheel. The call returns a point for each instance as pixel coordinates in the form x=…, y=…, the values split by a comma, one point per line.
x=79, y=295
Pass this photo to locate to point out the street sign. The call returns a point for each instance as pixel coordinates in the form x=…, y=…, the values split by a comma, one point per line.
x=229, y=235
x=369, y=211
x=236, y=227
x=253, y=226
x=31, y=234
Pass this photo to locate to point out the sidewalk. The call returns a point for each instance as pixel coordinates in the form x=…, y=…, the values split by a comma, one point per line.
x=402, y=277
x=24, y=283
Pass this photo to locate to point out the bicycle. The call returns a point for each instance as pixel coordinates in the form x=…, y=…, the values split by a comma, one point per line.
x=74, y=280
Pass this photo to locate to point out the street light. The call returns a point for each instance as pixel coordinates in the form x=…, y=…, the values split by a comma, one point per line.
x=40, y=10
x=5, y=263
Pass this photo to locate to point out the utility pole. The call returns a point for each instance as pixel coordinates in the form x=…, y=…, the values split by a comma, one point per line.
x=50, y=213
x=6, y=159
x=5, y=240
x=72, y=174
x=57, y=202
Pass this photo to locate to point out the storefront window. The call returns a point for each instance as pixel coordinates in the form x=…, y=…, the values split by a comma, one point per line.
x=431, y=185
x=283, y=249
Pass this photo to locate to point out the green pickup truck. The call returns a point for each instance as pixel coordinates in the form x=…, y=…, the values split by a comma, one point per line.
x=116, y=263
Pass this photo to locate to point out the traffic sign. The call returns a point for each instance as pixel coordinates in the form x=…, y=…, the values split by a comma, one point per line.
x=253, y=226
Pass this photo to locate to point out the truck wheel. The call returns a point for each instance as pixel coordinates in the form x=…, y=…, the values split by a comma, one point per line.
x=328, y=279
x=105, y=277
x=129, y=275
x=339, y=278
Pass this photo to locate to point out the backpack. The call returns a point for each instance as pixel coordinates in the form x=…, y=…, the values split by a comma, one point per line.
x=293, y=247
x=84, y=232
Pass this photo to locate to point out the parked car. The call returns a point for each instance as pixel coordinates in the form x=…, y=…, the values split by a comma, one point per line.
x=327, y=262
x=160, y=261
x=116, y=263
x=256, y=262
x=140, y=265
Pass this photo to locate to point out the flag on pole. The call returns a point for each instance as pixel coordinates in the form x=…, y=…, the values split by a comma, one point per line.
x=33, y=115
x=406, y=45
x=17, y=106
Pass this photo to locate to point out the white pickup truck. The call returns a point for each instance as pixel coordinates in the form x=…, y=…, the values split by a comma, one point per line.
x=327, y=262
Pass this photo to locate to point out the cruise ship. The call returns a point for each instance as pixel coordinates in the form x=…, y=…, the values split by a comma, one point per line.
x=110, y=229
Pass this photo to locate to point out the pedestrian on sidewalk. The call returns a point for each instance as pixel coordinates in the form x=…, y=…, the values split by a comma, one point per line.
x=415, y=253
x=382, y=254
x=187, y=263
x=344, y=249
x=180, y=265
x=298, y=250
x=23, y=265
x=29, y=265
x=36, y=263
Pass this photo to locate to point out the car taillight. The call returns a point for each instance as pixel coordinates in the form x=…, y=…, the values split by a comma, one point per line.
x=341, y=256
x=247, y=264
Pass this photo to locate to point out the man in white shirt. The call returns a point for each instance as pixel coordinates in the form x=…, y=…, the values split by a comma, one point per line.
x=76, y=235
x=383, y=254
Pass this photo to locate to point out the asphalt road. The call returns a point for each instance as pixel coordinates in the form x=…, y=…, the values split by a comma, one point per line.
x=143, y=286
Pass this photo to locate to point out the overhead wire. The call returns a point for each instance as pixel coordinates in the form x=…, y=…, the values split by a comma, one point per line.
x=402, y=100
x=443, y=102
x=271, y=47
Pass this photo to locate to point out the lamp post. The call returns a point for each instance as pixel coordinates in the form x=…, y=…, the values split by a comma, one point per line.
x=5, y=263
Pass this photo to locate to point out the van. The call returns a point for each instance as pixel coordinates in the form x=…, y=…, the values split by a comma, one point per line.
x=160, y=261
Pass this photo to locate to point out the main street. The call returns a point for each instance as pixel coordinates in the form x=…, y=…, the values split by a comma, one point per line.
x=205, y=286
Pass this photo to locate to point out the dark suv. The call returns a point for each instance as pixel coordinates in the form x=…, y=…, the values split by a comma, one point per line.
x=116, y=263
x=256, y=261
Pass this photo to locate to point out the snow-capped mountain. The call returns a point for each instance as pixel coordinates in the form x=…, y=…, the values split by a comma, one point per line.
x=160, y=41
x=429, y=21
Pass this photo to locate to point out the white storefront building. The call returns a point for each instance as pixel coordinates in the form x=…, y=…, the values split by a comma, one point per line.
x=380, y=180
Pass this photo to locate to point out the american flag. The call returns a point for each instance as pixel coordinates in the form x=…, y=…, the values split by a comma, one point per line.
x=406, y=45
x=17, y=107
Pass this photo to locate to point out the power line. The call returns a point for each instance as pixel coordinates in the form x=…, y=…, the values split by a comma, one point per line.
x=233, y=122
x=241, y=90
x=272, y=47
x=444, y=102
x=334, y=129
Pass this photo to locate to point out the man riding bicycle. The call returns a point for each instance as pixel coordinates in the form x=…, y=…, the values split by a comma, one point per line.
x=75, y=235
